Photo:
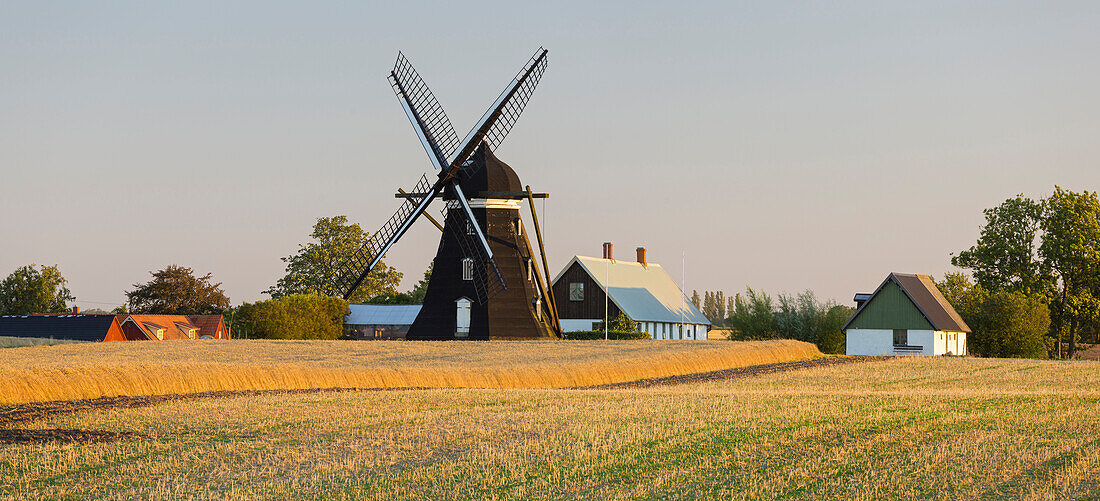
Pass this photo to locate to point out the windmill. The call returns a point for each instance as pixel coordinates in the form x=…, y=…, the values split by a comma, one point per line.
x=485, y=283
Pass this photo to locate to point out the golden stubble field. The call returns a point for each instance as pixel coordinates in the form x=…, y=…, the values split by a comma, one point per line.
x=927, y=428
x=91, y=370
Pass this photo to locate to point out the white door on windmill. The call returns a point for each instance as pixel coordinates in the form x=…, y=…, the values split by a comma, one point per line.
x=462, y=305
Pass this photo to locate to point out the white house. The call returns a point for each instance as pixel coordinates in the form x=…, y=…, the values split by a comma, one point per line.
x=906, y=315
x=639, y=289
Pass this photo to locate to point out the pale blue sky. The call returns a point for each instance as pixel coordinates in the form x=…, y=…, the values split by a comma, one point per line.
x=783, y=146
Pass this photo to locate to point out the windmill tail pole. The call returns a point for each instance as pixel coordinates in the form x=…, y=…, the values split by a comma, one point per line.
x=545, y=266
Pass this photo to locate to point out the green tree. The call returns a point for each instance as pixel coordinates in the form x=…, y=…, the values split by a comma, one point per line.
x=28, y=290
x=1071, y=247
x=295, y=316
x=830, y=337
x=421, y=289
x=175, y=290
x=1005, y=257
x=1010, y=324
x=695, y=298
x=313, y=270
x=753, y=316
x=1004, y=324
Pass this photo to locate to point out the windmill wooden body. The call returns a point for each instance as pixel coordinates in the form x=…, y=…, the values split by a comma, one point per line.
x=485, y=283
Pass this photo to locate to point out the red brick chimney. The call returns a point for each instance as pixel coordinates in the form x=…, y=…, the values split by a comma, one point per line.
x=76, y=310
x=641, y=257
x=607, y=248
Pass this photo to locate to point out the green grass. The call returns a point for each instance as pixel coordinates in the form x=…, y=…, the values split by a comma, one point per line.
x=900, y=429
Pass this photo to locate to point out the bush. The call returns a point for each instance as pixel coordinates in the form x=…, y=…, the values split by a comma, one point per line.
x=1004, y=324
x=1010, y=325
x=297, y=316
x=610, y=335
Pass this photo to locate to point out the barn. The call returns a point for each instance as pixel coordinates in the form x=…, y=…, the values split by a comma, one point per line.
x=906, y=315
x=26, y=330
x=169, y=327
x=641, y=290
x=380, y=321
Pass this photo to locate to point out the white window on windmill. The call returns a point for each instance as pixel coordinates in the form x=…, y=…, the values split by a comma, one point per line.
x=530, y=269
x=469, y=227
x=467, y=268
x=462, y=322
x=519, y=227
x=537, y=303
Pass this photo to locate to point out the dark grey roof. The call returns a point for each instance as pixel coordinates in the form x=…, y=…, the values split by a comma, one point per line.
x=924, y=294
x=71, y=327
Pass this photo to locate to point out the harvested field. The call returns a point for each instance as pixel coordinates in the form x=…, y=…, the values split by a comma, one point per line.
x=901, y=428
x=94, y=370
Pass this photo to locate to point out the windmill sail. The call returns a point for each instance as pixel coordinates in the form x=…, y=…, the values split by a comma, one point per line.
x=497, y=122
x=428, y=118
x=440, y=142
x=355, y=268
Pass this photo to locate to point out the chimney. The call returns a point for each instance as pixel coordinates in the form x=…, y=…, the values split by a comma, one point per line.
x=76, y=310
x=641, y=257
x=607, y=254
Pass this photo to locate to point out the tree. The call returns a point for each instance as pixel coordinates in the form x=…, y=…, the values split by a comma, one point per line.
x=175, y=290
x=413, y=296
x=752, y=316
x=830, y=337
x=313, y=270
x=695, y=298
x=421, y=289
x=1005, y=256
x=1005, y=324
x=295, y=316
x=28, y=290
x=1071, y=248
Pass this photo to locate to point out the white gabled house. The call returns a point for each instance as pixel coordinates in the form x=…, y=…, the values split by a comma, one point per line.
x=639, y=289
x=906, y=315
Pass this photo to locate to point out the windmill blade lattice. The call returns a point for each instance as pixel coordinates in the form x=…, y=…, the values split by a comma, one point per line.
x=352, y=271
x=498, y=121
x=408, y=85
x=509, y=113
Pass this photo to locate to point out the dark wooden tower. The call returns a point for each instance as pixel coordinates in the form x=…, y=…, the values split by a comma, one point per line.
x=515, y=312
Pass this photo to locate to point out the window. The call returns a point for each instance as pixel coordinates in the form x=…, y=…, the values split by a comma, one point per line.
x=469, y=227
x=576, y=291
x=467, y=269
x=530, y=272
x=901, y=337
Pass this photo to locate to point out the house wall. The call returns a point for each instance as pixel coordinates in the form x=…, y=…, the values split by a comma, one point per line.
x=890, y=308
x=115, y=333
x=869, y=342
x=591, y=307
x=881, y=342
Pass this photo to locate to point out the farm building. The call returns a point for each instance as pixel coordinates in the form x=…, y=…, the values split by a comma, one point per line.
x=25, y=330
x=906, y=315
x=380, y=321
x=639, y=289
x=169, y=327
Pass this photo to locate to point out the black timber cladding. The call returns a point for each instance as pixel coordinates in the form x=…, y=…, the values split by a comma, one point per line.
x=67, y=327
x=594, y=297
x=508, y=314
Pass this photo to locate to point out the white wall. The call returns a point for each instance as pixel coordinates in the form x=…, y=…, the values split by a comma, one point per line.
x=578, y=324
x=656, y=330
x=869, y=342
x=881, y=342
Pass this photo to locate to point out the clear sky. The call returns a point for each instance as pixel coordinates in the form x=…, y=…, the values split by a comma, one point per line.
x=786, y=146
